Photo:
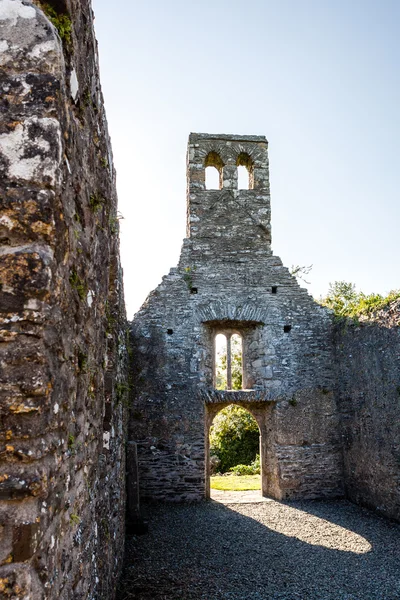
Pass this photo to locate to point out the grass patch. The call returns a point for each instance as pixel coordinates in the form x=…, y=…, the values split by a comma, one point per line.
x=238, y=483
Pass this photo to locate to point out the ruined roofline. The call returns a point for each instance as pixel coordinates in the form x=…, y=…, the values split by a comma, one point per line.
x=195, y=137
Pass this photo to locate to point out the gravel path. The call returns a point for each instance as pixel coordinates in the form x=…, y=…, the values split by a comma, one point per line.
x=263, y=551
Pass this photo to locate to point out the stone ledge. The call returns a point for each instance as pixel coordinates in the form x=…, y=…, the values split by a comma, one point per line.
x=233, y=396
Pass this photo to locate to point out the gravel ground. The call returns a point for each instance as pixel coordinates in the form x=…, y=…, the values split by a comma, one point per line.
x=263, y=551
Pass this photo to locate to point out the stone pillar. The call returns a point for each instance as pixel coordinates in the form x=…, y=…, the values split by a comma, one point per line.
x=228, y=362
x=230, y=177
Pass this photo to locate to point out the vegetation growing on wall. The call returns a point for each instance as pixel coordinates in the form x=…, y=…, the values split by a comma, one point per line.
x=61, y=22
x=345, y=301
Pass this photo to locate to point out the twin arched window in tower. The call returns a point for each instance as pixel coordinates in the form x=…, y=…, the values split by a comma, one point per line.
x=217, y=172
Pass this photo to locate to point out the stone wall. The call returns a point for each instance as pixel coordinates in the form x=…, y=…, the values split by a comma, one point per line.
x=368, y=358
x=229, y=280
x=63, y=333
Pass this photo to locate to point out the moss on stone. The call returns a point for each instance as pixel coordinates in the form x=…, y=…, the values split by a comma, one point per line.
x=96, y=201
x=78, y=284
x=61, y=22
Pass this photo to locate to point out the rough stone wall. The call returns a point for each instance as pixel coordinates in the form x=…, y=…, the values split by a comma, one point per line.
x=228, y=279
x=368, y=358
x=63, y=334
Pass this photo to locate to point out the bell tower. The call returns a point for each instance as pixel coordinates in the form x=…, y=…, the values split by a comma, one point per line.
x=229, y=213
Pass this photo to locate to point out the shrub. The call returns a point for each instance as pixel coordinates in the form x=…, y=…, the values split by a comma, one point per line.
x=252, y=469
x=345, y=301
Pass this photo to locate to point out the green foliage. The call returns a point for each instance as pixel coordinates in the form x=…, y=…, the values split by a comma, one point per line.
x=61, y=22
x=77, y=284
x=96, y=201
x=110, y=319
x=234, y=437
x=74, y=519
x=82, y=362
x=293, y=401
x=346, y=301
x=86, y=97
x=188, y=277
x=113, y=223
x=251, y=469
x=122, y=393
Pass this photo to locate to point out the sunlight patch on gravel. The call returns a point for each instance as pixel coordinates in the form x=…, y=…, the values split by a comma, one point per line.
x=308, y=528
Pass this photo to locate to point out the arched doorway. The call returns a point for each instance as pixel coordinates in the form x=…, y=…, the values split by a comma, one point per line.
x=234, y=451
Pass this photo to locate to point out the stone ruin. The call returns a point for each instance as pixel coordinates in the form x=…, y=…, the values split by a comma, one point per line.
x=326, y=396
x=229, y=281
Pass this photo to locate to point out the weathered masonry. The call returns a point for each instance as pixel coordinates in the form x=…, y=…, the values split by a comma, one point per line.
x=228, y=281
x=62, y=315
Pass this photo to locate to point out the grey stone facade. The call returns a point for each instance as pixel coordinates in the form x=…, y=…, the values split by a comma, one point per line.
x=62, y=316
x=368, y=391
x=228, y=280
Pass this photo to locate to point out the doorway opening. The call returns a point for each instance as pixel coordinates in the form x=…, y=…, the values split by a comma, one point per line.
x=233, y=452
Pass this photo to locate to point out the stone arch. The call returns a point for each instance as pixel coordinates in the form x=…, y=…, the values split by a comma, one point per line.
x=252, y=151
x=221, y=311
x=211, y=148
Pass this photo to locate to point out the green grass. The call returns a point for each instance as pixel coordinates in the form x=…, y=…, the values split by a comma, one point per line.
x=238, y=483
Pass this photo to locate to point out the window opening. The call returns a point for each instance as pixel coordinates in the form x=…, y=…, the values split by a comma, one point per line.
x=170, y=331
x=245, y=169
x=236, y=362
x=212, y=178
x=274, y=289
x=287, y=328
x=193, y=290
x=243, y=178
x=228, y=362
x=214, y=166
x=220, y=362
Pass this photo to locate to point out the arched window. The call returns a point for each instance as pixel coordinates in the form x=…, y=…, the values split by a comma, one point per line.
x=245, y=172
x=228, y=370
x=220, y=361
x=243, y=178
x=212, y=179
x=213, y=165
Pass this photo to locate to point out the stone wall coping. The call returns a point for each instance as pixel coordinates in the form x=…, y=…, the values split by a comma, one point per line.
x=194, y=137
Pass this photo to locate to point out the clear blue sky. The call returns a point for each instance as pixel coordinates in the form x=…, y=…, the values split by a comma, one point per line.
x=321, y=79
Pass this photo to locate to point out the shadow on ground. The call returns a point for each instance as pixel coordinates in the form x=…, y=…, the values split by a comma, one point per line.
x=263, y=551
